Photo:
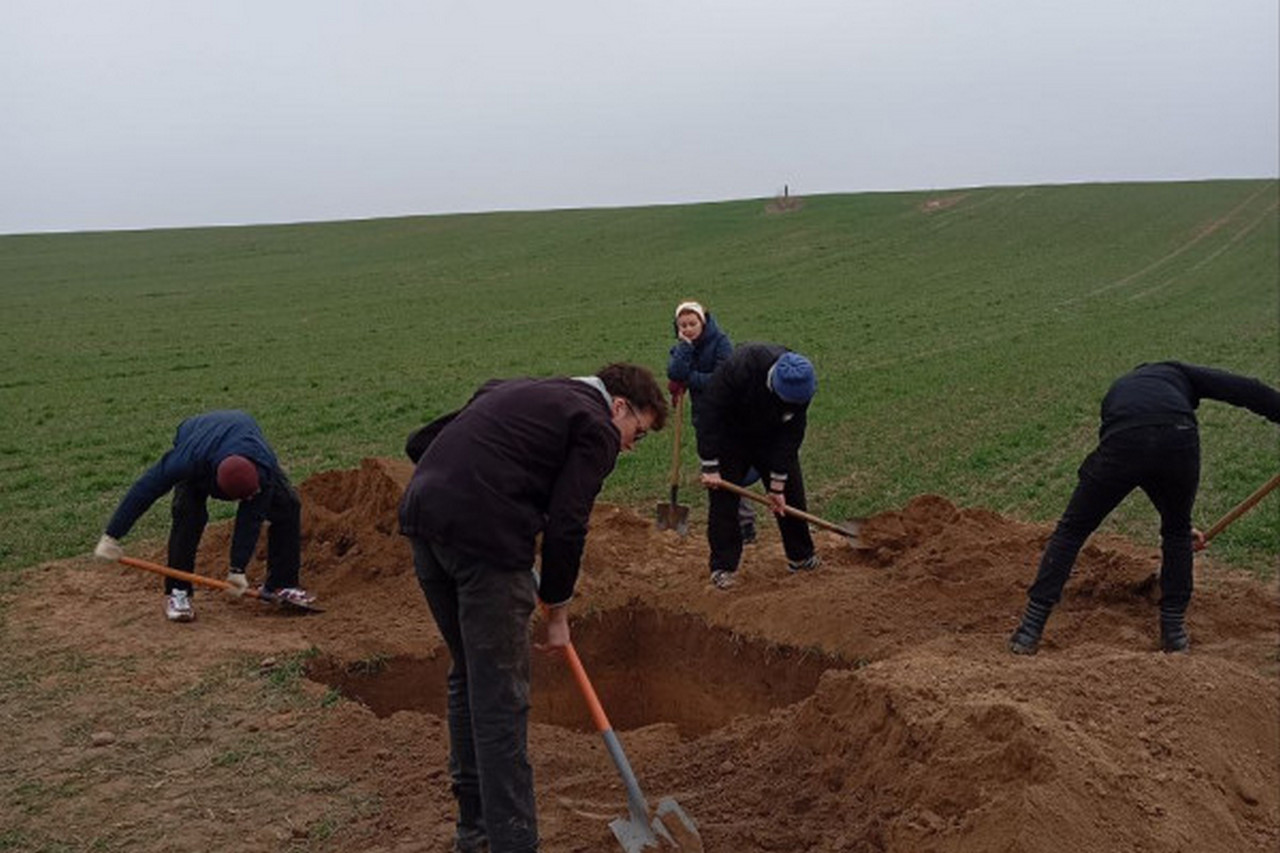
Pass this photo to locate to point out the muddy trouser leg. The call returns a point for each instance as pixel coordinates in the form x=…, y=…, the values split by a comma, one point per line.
x=284, y=535
x=1171, y=485
x=1106, y=476
x=190, y=514
x=483, y=614
x=797, y=541
x=724, y=534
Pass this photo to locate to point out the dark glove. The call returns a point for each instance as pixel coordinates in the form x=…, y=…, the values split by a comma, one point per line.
x=676, y=388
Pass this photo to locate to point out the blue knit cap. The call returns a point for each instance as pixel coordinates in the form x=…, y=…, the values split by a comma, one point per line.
x=792, y=378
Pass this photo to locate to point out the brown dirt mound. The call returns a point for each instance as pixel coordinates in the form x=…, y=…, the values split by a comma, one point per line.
x=867, y=706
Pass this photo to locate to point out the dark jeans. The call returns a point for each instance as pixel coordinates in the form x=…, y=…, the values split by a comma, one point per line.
x=724, y=532
x=483, y=614
x=1163, y=461
x=284, y=532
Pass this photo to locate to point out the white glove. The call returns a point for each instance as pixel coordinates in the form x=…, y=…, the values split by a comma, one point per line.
x=108, y=549
x=238, y=582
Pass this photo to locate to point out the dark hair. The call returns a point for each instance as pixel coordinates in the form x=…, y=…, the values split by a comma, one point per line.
x=636, y=384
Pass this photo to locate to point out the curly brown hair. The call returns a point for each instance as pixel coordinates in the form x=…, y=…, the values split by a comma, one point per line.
x=637, y=385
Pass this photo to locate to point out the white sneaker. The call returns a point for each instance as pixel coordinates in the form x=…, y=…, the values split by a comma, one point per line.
x=178, y=607
x=722, y=579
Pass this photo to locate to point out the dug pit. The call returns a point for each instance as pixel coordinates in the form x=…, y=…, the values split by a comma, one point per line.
x=647, y=665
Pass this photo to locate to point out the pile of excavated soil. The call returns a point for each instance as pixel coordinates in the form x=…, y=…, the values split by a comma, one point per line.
x=870, y=705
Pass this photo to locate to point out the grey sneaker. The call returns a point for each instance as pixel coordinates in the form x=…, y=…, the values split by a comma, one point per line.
x=178, y=606
x=722, y=579
x=806, y=565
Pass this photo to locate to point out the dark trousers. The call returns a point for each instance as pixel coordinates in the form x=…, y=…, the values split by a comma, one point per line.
x=1163, y=461
x=724, y=532
x=190, y=514
x=483, y=614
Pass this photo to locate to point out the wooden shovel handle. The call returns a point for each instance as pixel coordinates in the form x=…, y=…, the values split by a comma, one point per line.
x=674, y=479
x=178, y=574
x=1242, y=507
x=789, y=510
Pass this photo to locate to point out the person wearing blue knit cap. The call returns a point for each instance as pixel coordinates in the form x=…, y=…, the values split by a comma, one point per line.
x=753, y=415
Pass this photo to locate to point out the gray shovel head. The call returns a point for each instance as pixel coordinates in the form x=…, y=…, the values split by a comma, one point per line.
x=672, y=516
x=676, y=832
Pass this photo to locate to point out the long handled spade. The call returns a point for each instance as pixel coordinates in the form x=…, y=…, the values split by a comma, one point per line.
x=214, y=583
x=672, y=516
x=1242, y=507
x=1147, y=584
x=850, y=529
x=636, y=832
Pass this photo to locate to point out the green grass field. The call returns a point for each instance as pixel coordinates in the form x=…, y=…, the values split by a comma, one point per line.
x=962, y=347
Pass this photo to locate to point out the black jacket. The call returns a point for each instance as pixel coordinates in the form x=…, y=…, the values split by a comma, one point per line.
x=1168, y=392
x=523, y=457
x=742, y=417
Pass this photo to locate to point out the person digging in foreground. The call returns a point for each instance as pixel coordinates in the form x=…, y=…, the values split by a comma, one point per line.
x=524, y=457
x=754, y=413
x=221, y=455
x=1148, y=439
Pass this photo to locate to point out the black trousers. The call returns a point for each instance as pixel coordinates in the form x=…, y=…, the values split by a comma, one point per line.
x=483, y=614
x=190, y=514
x=1163, y=461
x=724, y=532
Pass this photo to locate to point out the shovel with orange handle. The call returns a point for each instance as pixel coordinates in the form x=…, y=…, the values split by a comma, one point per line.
x=213, y=583
x=636, y=832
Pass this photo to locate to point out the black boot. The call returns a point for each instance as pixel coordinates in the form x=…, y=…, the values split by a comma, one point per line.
x=1026, y=640
x=1173, y=629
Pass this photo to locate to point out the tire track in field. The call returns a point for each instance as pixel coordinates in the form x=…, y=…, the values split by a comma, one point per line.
x=1230, y=244
x=1211, y=228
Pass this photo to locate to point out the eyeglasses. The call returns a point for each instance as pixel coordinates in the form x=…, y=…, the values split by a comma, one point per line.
x=641, y=432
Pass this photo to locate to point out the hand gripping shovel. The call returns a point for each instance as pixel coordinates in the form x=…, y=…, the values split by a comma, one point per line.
x=672, y=516
x=850, y=529
x=1148, y=583
x=214, y=583
x=636, y=832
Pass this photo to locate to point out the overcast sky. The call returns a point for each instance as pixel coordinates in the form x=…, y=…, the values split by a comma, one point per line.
x=132, y=114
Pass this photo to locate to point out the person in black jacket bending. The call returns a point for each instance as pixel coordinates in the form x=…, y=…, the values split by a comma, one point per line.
x=1149, y=440
x=753, y=415
x=524, y=457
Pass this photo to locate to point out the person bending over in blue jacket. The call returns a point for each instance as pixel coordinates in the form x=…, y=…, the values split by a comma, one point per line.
x=222, y=455
x=1148, y=440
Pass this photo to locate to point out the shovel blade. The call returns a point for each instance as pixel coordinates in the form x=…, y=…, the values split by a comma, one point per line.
x=673, y=517
x=633, y=834
x=670, y=829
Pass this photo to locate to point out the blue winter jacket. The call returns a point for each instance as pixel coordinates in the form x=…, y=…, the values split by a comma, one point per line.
x=202, y=441
x=693, y=363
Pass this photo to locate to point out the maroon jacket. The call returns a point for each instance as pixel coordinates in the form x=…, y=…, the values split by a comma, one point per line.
x=523, y=457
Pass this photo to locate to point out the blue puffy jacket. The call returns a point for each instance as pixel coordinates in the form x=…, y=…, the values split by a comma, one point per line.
x=693, y=363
